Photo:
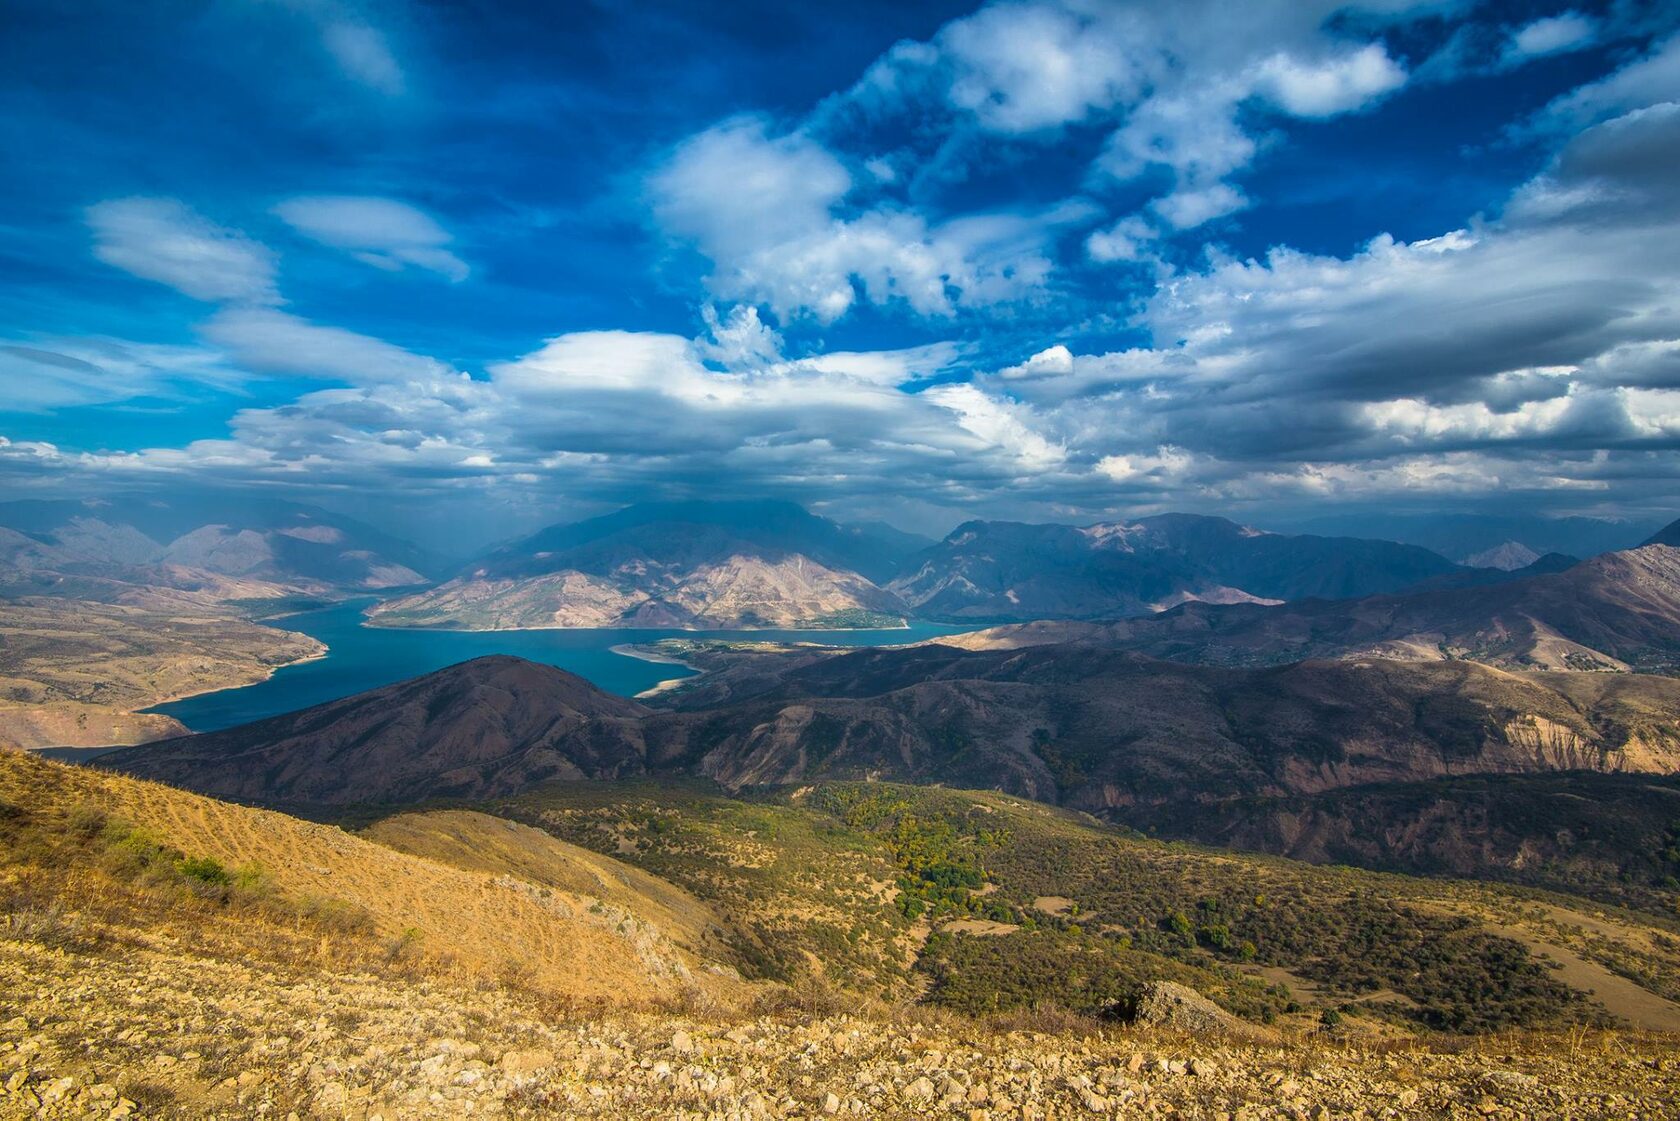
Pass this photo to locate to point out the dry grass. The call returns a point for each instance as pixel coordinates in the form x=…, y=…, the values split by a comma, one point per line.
x=315, y=889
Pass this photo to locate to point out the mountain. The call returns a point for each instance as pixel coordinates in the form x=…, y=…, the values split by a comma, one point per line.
x=147, y=541
x=1615, y=611
x=1667, y=535
x=706, y=566
x=1015, y=571
x=1077, y=724
x=1509, y=556
x=492, y=724
x=1461, y=537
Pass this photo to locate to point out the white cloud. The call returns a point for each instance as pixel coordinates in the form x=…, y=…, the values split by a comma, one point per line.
x=1652, y=79
x=765, y=209
x=1165, y=467
x=1569, y=31
x=1127, y=240
x=381, y=232
x=49, y=373
x=1021, y=67
x=1331, y=86
x=1002, y=424
x=164, y=240
x=1187, y=209
x=274, y=342
x=741, y=340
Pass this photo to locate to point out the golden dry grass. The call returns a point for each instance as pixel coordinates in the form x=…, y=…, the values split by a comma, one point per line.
x=485, y=920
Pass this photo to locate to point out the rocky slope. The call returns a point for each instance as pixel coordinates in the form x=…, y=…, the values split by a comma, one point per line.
x=1014, y=571
x=700, y=566
x=248, y=1041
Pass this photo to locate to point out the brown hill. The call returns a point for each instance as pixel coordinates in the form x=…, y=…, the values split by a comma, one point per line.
x=1097, y=728
x=523, y=903
x=1082, y=725
x=490, y=725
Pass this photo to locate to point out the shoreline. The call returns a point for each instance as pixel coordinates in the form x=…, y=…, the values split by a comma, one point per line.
x=269, y=672
x=644, y=654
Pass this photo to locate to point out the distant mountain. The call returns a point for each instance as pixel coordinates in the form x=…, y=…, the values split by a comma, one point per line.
x=1509, y=556
x=150, y=541
x=489, y=726
x=678, y=565
x=1667, y=535
x=1462, y=537
x=1016, y=571
x=1615, y=611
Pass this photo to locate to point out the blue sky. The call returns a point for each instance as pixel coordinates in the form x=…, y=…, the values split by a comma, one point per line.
x=491, y=265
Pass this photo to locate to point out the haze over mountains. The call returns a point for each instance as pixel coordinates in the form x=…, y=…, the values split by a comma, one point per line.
x=217, y=546
x=702, y=565
x=770, y=564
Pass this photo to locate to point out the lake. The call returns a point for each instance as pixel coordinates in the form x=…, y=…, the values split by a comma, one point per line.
x=360, y=658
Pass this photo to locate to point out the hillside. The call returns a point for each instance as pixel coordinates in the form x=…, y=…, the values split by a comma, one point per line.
x=162, y=953
x=1080, y=725
x=1618, y=611
x=1014, y=571
x=1668, y=535
x=1022, y=905
x=1611, y=837
x=1615, y=611
x=494, y=724
x=77, y=673
x=705, y=566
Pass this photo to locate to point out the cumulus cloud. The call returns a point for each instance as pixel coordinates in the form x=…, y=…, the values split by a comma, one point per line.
x=766, y=210
x=381, y=232
x=1536, y=352
x=165, y=240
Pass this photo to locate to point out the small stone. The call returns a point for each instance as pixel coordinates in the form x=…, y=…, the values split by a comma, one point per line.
x=682, y=1043
x=520, y=1062
x=831, y=1103
x=920, y=1089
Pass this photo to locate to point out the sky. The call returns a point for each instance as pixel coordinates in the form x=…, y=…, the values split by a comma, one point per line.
x=464, y=269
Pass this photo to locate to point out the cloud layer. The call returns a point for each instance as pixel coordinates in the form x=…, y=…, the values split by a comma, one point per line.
x=1008, y=266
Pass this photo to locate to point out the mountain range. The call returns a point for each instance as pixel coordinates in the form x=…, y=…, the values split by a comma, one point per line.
x=212, y=548
x=767, y=564
x=723, y=565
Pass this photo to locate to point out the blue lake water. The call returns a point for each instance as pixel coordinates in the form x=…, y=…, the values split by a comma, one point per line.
x=360, y=658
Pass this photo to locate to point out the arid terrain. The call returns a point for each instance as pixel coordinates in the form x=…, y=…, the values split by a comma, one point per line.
x=74, y=673
x=163, y=954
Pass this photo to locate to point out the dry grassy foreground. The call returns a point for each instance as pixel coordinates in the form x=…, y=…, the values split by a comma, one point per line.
x=164, y=1032
x=167, y=955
